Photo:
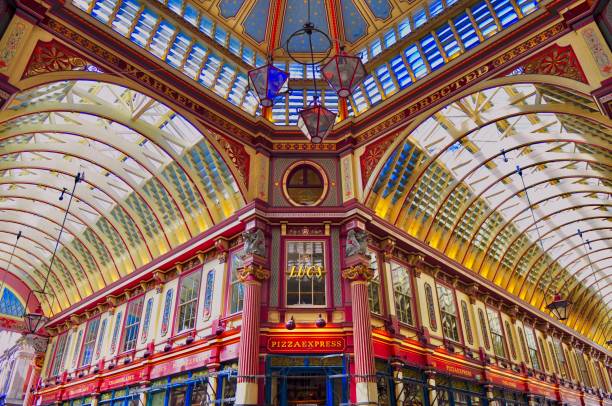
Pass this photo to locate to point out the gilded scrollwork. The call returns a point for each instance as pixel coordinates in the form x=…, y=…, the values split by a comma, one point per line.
x=253, y=271
x=356, y=272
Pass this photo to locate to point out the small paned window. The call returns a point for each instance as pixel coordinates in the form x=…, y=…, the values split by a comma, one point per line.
x=468, y=325
x=60, y=351
x=374, y=287
x=402, y=292
x=497, y=334
x=90, y=341
x=483, y=329
x=431, y=311
x=305, y=185
x=532, y=347
x=132, y=323
x=188, y=301
x=448, y=313
x=147, y=320
x=166, y=314
x=305, y=273
x=236, y=288
x=510, y=339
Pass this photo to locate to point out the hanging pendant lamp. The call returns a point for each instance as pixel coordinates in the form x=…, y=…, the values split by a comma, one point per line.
x=344, y=72
x=267, y=82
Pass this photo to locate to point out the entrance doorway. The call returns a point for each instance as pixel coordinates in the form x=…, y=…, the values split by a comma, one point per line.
x=306, y=381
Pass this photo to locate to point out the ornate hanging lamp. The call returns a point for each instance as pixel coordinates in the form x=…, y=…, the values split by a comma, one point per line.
x=268, y=82
x=558, y=307
x=315, y=121
x=344, y=72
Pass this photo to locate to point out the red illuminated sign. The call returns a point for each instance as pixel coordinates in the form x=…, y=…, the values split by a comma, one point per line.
x=180, y=364
x=120, y=380
x=513, y=383
x=292, y=344
x=80, y=390
x=454, y=369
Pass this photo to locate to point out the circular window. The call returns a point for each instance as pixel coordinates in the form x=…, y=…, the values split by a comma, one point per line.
x=305, y=184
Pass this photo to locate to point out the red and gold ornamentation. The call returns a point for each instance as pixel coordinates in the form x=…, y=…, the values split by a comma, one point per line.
x=372, y=156
x=556, y=61
x=253, y=271
x=238, y=156
x=358, y=272
x=53, y=56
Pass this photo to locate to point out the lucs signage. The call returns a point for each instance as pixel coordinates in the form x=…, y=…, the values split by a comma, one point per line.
x=308, y=271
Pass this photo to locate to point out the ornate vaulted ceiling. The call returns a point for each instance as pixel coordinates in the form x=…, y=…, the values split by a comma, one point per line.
x=514, y=182
x=152, y=181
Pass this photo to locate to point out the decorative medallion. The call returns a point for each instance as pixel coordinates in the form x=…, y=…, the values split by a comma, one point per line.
x=554, y=60
x=303, y=146
x=373, y=154
x=53, y=56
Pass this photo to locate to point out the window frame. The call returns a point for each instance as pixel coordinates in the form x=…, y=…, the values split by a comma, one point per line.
x=530, y=349
x=488, y=311
x=412, y=296
x=177, y=304
x=380, y=268
x=121, y=349
x=93, y=342
x=63, y=336
x=326, y=275
x=458, y=322
x=230, y=283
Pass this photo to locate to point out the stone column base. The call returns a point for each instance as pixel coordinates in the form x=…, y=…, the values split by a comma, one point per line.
x=367, y=393
x=246, y=393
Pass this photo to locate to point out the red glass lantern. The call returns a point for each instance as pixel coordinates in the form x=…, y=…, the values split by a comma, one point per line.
x=344, y=72
x=267, y=82
x=316, y=121
x=558, y=307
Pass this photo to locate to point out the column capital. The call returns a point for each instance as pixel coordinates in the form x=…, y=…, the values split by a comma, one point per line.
x=253, y=272
x=357, y=268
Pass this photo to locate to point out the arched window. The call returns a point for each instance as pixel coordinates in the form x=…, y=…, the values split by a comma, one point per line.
x=483, y=328
x=468, y=325
x=510, y=339
x=116, y=332
x=101, y=338
x=433, y=323
x=166, y=314
x=523, y=345
x=208, y=294
x=10, y=304
x=147, y=320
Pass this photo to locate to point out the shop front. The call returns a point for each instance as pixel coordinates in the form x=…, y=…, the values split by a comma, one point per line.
x=453, y=391
x=508, y=397
x=320, y=380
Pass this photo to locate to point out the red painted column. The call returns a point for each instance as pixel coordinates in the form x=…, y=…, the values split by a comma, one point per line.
x=251, y=276
x=359, y=276
x=34, y=376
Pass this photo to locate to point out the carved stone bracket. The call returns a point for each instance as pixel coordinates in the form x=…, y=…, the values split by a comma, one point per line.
x=222, y=247
x=251, y=272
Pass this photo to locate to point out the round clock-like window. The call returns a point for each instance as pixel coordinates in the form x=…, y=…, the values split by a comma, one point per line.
x=305, y=184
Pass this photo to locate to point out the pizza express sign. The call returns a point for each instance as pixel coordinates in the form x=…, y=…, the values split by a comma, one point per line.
x=291, y=344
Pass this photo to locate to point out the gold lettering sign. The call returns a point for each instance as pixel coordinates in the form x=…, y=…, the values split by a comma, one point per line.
x=308, y=271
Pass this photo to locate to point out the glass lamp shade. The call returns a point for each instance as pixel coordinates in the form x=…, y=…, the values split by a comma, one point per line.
x=315, y=122
x=558, y=307
x=267, y=82
x=34, y=322
x=344, y=72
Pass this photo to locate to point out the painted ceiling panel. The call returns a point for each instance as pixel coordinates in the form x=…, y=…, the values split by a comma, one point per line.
x=380, y=8
x=355, y=26
x=295, y=15
x=229, y=8
x=256, y=22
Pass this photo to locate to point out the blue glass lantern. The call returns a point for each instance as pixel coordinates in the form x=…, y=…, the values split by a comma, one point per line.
x=267, y=82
